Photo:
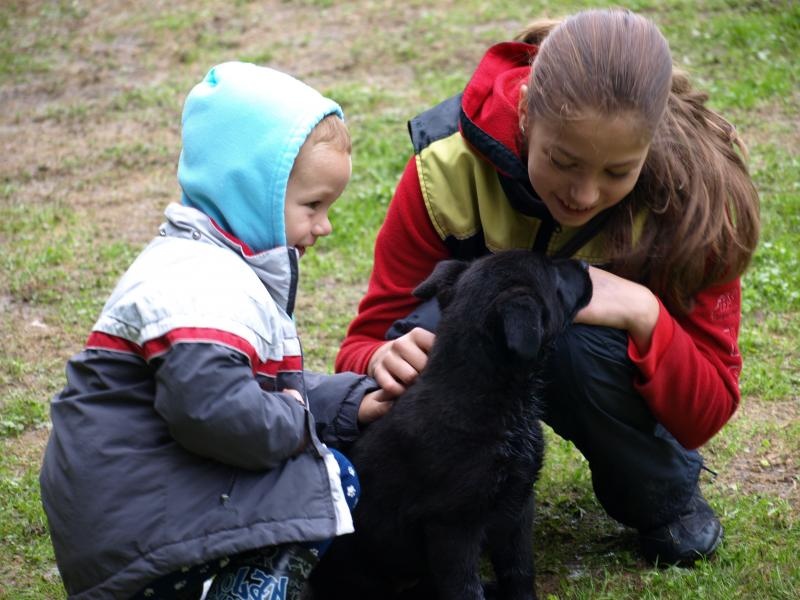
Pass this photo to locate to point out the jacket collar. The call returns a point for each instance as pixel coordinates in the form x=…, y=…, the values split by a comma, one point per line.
x=277, y=268
x=489, y=121
x=489, y=117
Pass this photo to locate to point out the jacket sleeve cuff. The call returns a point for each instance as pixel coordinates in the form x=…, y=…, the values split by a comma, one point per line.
x=334, y=401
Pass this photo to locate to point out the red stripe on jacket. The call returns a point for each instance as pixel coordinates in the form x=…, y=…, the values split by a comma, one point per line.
x=99, y=340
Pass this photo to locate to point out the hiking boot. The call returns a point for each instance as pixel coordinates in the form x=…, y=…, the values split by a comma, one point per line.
x=694, y=535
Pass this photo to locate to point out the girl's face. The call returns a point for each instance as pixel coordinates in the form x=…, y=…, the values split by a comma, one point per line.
x=582, y=167
x=320, y=173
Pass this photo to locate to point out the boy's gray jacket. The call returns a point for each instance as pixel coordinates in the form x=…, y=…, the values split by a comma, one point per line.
x=172, y=442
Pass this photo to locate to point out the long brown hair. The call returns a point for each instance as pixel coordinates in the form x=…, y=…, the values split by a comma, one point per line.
x=702, y=220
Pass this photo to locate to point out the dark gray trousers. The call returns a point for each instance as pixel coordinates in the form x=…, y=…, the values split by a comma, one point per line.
x=641, y=475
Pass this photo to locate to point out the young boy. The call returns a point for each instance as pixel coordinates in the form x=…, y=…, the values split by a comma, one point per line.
x=188, y=441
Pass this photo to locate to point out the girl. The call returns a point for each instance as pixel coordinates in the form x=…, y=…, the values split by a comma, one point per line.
x=580, y=139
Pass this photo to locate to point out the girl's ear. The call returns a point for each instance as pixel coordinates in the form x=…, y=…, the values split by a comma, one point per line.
x=522, y=109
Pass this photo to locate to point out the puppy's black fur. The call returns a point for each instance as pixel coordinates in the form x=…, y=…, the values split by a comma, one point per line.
x=449, y=471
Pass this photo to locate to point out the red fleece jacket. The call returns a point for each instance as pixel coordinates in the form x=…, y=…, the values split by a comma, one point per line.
x=689, y=376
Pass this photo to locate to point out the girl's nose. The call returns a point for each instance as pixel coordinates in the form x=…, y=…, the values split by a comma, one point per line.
x=584, y=192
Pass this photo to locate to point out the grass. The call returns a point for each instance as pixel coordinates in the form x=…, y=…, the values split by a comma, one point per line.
x=90, y=130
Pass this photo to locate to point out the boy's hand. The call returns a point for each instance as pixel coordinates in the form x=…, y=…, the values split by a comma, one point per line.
x=297, y=395
x=396, y=364
x=374, y=405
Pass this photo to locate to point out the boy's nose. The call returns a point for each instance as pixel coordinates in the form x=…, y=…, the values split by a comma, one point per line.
x=322, y=227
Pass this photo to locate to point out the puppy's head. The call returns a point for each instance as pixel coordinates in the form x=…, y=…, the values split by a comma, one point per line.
x=516, y=300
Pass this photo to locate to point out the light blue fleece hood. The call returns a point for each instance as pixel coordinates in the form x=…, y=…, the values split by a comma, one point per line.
x=243, y=126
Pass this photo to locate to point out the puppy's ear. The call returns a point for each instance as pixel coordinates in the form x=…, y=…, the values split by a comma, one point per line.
x=440, y=282
x=573, y=286
x=521, y=320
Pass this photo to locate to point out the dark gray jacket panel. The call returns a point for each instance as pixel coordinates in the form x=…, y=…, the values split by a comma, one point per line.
x=214, y=407
x=128, y=502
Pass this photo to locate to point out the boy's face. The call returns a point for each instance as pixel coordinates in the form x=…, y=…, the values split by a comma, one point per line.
x=320, y=173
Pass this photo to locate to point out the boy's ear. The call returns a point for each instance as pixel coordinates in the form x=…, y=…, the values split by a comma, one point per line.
x=573, y=285
x=440, y=282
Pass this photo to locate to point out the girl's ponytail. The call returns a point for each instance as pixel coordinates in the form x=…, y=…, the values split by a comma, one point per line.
x=536, y=31
x=704, y=221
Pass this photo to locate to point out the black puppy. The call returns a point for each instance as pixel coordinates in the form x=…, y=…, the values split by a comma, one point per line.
x=449, y=471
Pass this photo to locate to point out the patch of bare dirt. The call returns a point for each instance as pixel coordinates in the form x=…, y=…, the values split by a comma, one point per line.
x=95, y=123
x=67, y=134
x=769, y=464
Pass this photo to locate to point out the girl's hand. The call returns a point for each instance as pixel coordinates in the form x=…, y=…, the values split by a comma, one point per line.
x=622, y=304
x=396, y=364
x=374, y=405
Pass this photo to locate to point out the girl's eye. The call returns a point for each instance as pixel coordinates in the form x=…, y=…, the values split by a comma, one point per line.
x=614, y=175
x=560, y=165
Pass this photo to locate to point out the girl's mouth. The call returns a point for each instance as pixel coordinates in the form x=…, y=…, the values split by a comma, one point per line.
x=571, y=209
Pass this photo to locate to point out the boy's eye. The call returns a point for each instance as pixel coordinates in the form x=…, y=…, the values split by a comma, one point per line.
x=314, y=205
